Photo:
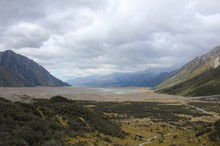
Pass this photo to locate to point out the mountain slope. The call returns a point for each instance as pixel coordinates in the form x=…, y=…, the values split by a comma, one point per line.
x=137, y=79
x=199, y=77
x=17, y=70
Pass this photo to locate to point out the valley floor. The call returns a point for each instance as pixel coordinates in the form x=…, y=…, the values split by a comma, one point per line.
x=117, y=94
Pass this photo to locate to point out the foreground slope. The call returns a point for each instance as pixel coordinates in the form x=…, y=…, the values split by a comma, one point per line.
x=54, y=122
x=17, y=71
x=200, y=77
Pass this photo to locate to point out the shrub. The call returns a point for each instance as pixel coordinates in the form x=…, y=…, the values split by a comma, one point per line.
x=58, y=98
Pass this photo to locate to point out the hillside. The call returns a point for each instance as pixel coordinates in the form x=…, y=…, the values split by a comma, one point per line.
x=18, y=71
x=136, y=79
x=199, y=77
x=54, y=122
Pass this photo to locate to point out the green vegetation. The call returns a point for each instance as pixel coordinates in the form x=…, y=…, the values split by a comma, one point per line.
x=207, y=83
x=153, y=110
x=50, y=122
x=208, y=106
x=61, y=122
x=215, y=135
x=184, y=124
x=212, y=130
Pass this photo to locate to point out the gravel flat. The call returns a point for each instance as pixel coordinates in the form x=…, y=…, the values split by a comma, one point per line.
x=83, y=93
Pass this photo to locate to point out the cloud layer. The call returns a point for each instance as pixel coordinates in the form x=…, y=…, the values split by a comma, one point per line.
x=87, y=37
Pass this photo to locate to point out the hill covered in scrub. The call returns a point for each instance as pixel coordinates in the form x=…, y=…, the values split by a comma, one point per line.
x=199, y=77
x=54, y=122
x=19, y=71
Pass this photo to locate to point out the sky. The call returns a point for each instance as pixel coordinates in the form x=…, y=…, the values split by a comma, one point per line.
x=75, y=38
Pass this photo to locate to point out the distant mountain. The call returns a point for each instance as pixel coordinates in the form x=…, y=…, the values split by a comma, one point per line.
x=18, y=71
x=199, y=77
x=136, y=79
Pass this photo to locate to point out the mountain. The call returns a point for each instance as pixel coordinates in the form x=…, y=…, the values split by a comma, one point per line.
x=136, y=79
x=199, y=77
x=18, y=71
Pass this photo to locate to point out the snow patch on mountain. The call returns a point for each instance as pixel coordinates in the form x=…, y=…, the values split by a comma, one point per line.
x=216, y=63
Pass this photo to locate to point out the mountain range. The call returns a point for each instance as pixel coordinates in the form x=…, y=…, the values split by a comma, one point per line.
x=19, y=71
x=199, y=77
x=135, y=79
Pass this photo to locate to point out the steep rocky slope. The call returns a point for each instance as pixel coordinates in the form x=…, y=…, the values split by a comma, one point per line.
x=199, y=77
x=17, y=70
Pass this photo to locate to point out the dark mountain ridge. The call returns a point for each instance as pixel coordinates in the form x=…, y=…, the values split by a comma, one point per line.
x=18, y=71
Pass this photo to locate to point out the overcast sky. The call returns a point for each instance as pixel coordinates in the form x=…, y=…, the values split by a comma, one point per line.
x=86, y=37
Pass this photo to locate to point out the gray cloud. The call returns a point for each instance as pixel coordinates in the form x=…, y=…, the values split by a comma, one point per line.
x=86, y=37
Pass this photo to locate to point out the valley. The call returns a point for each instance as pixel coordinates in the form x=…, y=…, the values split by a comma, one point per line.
x=109, y=73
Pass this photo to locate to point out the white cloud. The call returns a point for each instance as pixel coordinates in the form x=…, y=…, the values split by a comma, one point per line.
x=83, y=37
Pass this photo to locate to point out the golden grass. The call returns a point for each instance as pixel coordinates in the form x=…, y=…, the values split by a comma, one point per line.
x=164, y=134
